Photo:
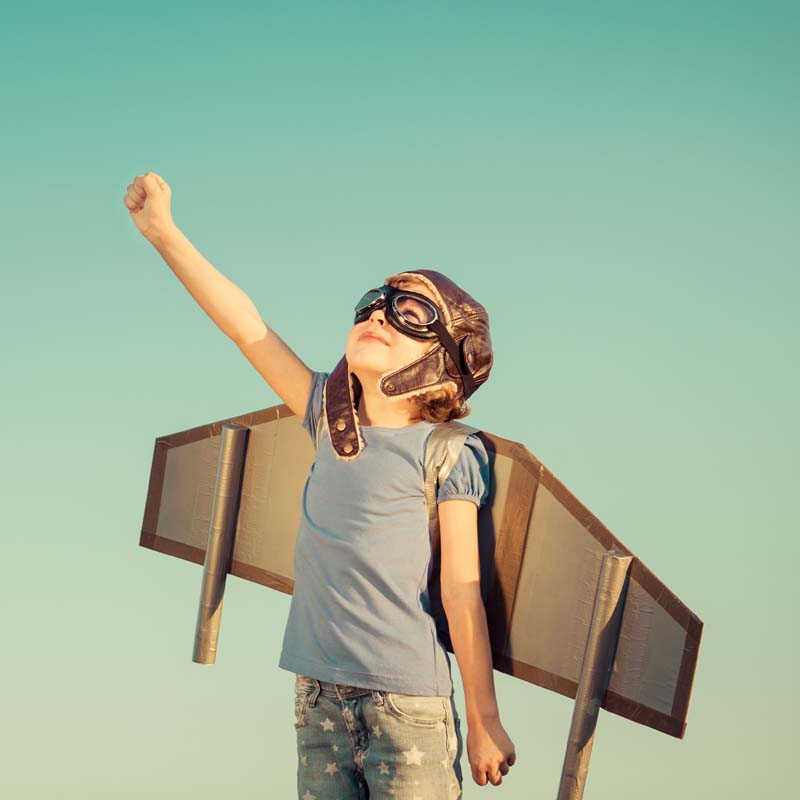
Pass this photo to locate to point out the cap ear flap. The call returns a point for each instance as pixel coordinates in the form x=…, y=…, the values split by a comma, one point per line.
x=415, y=378
x=339, y=406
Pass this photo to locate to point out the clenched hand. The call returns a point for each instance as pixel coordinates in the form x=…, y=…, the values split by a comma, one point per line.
x=148, y=200
x=491, y=752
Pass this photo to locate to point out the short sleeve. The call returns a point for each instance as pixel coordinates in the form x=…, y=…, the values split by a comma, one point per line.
x=314, y=404
x=469, y=478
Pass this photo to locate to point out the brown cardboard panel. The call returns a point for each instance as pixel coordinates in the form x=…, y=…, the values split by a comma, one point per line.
x=548, y=548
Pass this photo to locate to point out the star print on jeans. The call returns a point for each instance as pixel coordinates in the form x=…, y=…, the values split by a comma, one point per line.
x=413, y=756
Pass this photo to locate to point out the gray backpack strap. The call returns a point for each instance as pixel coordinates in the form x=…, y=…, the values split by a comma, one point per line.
x=444, y=447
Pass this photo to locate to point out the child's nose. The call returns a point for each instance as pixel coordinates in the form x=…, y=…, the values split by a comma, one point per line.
x=378, y=315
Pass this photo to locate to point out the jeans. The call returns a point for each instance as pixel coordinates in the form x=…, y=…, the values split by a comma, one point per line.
x=368, y=744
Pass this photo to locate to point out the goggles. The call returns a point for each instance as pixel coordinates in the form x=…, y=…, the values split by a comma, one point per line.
x=410, y=313
x=416, y=316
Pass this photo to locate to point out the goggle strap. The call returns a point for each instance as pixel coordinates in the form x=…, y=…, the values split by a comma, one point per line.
x=457, y=354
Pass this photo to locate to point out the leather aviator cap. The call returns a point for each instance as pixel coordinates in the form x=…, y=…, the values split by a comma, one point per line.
x=467, y=322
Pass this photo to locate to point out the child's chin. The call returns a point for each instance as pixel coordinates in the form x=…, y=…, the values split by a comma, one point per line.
x=368, y=367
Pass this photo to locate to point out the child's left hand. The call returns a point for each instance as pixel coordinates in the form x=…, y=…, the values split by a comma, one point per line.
x=490, y=751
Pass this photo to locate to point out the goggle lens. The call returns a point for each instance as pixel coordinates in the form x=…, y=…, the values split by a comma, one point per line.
x=414, y=311
x=367, y=300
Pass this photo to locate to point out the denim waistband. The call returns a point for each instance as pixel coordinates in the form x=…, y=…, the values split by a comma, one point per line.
x=332, y=689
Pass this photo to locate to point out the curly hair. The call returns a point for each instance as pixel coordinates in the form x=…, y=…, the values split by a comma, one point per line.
x=442, y=405
x=438, y=405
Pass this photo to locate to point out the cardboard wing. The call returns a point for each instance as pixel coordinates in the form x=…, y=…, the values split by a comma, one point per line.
x=545, y=550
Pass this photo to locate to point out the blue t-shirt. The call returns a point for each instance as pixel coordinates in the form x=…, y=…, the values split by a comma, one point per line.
x=359, y=614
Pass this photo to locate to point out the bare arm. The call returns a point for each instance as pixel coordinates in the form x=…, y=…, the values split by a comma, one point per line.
x=229, y=307
x=461, y=599
x=490, y=749
x=231, y=310
x=288, y=376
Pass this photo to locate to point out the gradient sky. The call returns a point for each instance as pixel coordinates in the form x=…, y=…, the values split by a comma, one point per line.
x=616, y=182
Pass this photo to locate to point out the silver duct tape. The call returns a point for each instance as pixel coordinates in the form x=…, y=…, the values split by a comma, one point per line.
x=219, y=551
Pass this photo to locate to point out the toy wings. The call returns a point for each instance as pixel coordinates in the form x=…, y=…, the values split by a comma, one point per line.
x=567, y=603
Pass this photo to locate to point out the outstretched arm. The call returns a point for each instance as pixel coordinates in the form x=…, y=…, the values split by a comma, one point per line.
x=231, y=310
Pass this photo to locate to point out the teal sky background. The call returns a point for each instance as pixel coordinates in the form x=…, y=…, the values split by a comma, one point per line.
x=616, y=182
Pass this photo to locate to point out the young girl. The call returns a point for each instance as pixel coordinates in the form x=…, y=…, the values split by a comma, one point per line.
x=374, y=707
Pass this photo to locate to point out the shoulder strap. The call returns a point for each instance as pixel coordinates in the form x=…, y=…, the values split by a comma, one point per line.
x=443, y=449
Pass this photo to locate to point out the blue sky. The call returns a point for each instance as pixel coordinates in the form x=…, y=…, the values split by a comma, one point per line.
x=616, y=183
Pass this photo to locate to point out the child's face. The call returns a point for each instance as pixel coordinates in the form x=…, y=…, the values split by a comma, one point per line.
x=370, y=358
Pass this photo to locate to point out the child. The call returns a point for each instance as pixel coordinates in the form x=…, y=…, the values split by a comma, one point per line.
x=374, y=707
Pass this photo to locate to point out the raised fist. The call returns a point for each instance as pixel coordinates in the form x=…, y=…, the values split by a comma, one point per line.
x=148, y=200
